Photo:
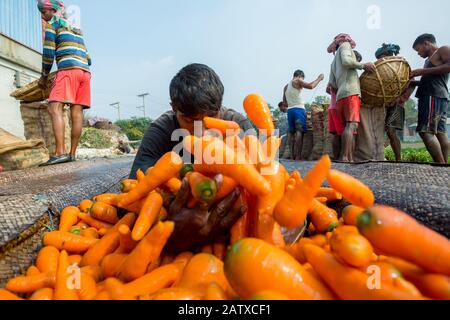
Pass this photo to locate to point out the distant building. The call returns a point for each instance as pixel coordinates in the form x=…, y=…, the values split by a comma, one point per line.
x=20, y=56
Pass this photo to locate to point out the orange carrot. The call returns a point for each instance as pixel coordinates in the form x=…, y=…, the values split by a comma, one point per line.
x=349, y=283
x=82, y=225
x=116, y=289
x=167, y=259
x=8, y=296
x=103, y=231
x=269, y=295
x=148, y=250
x=97, y=224
x=163, y=214
x=215, y=293
x=296, y=250
x=69, y=218
x=154, y=265
x=274, y=174
x=224, y=127
x=148, y=216
x=127, y=244
x=398, y=234
x=175, y=294
x=164, y=170
x=226, y=187
x=255, y=151
x=219, y=250
x=320, y=240
x=174, y=185
x=63, y=285
x=323, y=218
x=108, y=244
x=108, y=198
x=239, y=230
x=322, y=200
x=85, y=205
x=68, y=241
x=353, y=249
x=47, y=259
x=270, y=148
x=104, y=212
x=291, y=211
x=351, y=189
x=43, y=294
x=259, y=113
x=351, y=214
x=30, y=284
x=90, y=233
x=140, y=175
x=127, y=185
x=88, y=287
x=95, y=273
x=75, y=259
x=111, y=264
x=329, y=193
x=32, y=271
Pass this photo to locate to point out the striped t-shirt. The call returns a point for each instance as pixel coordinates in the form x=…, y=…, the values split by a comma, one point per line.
x=67, y=46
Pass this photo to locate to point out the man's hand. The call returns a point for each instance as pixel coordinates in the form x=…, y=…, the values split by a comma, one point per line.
x=416, y=73
x=42, y=83
x=321, y=77
x=205, y=223
x=369, y=67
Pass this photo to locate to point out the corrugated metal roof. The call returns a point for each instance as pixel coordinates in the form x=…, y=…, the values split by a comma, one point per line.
x=21, y=21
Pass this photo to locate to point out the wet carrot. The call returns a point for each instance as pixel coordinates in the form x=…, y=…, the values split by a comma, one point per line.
x=104, y=212
x=164, y=170
x=351, y=214
x=95, y=272
x=167, y=259
x=353, y=249
x=108, y=244
x=140, y=175
x=255, y=151
x=148, y=215
x=111, y=264
x=176, y=294
x=116, y=289
x=322, y=200
x=127, y=244
x=239, y=230
x=296, y=250
x=349, y=283
x=85, y=205
x=271, y=148
x=108, y=198
x=203, y=189
x=127, y=185
x=69, y=218
x=97, y=224
x=398, y=234
x=224, y=127
x=32, y=271
x=88, y=287
x=5, y=295
x=68, y=241
x=269, y=295
x=90, y=233
x=30, y=284
x=226, y=187
x=259, y=113
x=154, y=265
x=352, y=189
x=47, y=259
x=103, y=231
x=329, y=193
x=63, y=288
x=44, y=294
x=75, y=259
x=174, y=185
x=274, y=174
x=148, y=250
x=215, y=293
x=324, y=219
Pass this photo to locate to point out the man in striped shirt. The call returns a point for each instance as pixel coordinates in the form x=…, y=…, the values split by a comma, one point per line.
x=65, y=44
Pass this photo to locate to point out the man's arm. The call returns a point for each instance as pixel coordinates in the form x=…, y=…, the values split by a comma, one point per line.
x=348, y=58
x=284, y=97
x=444, y=54
x=310, y=86
x=48, y=56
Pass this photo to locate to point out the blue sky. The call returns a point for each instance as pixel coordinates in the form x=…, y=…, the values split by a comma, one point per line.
x=254, y=45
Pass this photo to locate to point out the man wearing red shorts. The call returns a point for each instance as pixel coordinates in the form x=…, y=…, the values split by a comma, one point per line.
x=72, y=85
x=344, y=79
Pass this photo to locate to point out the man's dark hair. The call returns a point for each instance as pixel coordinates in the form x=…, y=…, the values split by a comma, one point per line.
x=299, y=73
x=197, y=89
x=423, y=38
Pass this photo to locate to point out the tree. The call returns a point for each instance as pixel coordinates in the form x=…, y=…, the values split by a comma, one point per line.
x=135, y=127
x=410, y=112
x=322, y=100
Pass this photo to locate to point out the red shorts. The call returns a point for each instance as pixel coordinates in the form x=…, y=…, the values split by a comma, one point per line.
x=72, y=87
x=347, y=110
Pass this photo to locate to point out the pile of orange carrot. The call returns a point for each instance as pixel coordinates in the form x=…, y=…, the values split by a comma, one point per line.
x=367, y=251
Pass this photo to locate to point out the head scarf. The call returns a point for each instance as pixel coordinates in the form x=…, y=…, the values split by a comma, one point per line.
x=60, y=10
x=387, y=49
x=341, y=38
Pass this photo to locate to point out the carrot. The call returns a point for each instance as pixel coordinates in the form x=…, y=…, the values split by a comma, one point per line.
x=32, y=271
x=164, y=170
x=103, y=231
x=219, y=250
x=63, y=290
x=127, y=185
x=30, y=284
x=259, y=113
x=175, y=294
x=174, y=185
x=88, y=287
x=108, y=198
x=228, y=162
x=82, y=225
x=297, y=177
x=108, y=244
x=8, y=296
x=291, y=211
x=349, y=283
x=253, y=265
x=181, y=261
x=323, y=218
x=140, y=175
x=104, y=212
x=135, y=207
x=226, y=187
x=268, y=230
x=75, y=259
x=85, y=205
x=127, y=244
x=353, y=249
x=148, y=250
x=203, y=189
x=329, y=193
x=435, y=286
x=239, y=230
x=103, y=295
x=255, y=151
x=47, y=259
x=322, y=200
x=163, y=214
x=167, y=259
x=353, y=190
x=75, y=230
x=296, y=250
x=43, y=294
x=224, y=127
x=90, y=233
x=97, y=224
x=320, y=240
x=95, y=273
x=69, y=218
x=215, y=292
x=154, y=265
x=148, y=216
x=398, y=234
x=116, y=289
x=269, y=295
x=69, y=242
x=270, y=148
x=351, y=214
x=274, y=174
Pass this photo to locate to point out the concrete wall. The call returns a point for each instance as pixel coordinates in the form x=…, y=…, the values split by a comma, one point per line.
x=15, y=57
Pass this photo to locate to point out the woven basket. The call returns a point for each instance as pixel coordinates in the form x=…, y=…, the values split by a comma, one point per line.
x=390, y=80
x=33, y=93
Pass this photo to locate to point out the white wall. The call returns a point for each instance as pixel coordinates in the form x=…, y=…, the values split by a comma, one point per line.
x=14, y=57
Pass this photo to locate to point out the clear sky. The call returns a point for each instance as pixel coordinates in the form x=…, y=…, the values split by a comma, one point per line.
x=254, y=45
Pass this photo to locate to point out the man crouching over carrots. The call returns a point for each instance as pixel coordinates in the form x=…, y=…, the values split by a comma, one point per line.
x=196, y=92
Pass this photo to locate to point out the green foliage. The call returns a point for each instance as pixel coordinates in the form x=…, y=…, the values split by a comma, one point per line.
x=410, y=112
x=135, y=127
x=322, y=100
x=95, y=139
x=410, y=155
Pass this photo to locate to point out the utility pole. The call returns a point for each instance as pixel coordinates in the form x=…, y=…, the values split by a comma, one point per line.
x=143, y=102
x=116, y=106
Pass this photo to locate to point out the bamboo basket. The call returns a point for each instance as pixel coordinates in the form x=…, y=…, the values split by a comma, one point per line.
x=390, y=80
x=32, y=92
